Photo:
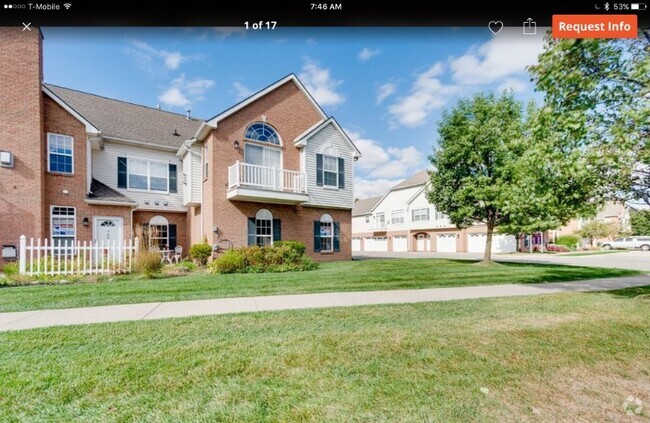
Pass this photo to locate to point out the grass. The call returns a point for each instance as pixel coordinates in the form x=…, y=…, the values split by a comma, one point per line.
x=562, y=357
x=592, y=253
x=340, y=276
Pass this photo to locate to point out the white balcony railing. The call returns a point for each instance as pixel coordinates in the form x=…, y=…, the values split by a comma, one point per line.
x=270, y=178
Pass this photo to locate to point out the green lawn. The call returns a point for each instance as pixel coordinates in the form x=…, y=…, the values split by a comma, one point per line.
x=593, y=253
x=563, y=357
x=340, y=276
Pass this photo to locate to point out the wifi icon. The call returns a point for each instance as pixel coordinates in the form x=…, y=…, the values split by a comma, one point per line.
x=67, y=5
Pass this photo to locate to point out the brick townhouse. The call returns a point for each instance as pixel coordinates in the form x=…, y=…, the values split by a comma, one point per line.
x=81, y=167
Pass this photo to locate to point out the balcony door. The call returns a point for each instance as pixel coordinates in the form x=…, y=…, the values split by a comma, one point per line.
x=266, y=169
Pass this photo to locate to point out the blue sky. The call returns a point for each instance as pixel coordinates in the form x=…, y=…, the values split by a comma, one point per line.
x=386, y=86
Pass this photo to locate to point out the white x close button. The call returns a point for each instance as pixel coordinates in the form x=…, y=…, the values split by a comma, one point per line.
x=26, y=26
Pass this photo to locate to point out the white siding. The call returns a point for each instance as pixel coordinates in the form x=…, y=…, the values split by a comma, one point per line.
x=394, y=200
x=421, y=201
x=105, y=170
x=359, y=224
x=192, y=176
x=328, y=136
x=186, y=179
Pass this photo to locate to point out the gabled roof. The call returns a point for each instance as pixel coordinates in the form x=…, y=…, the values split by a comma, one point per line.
x=301, y=139
x=365, y=206
x=419, y=178
x=100, y=192
x=261, y=93
x=125, y=121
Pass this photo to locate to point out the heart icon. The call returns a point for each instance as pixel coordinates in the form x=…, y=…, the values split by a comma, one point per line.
x=495, y=26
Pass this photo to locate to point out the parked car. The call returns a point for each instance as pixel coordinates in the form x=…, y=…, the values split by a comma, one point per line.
x=628, y=243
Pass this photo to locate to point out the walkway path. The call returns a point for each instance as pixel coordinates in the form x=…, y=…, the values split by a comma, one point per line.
x=150, y=311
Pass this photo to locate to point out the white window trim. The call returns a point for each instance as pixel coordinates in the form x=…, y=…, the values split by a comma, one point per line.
x=48, y=154
x=274, y=147
x=74, y=237
x=205, y=162
x=149, y=161
x=327, y=186
x=415, y=212
x=331, y=235
x=392, y=217
x=262, y=142
x=263, y=236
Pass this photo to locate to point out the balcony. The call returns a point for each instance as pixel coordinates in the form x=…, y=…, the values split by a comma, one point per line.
x=248, y=182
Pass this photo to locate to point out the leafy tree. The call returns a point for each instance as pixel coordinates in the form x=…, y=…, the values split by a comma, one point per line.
x=640, y=222
x=597, y=229
x=475, y=164
x=597, y=108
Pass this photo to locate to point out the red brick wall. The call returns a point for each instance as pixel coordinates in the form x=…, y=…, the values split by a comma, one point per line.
x=21, y=114
x=290, y=113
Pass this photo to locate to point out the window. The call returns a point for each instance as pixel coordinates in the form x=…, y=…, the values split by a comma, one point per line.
x=159, y=232
x=60, y=153
x=263, y=228
x=205, y=162
x=262, y=132
x=397, y=216
x=380, y=220
x=420, y=215
x=367, y=218
x=326, y=233
x=440, y=215
x=148, y=175
x=63, y=225
x=262, y=156
x=330, y=171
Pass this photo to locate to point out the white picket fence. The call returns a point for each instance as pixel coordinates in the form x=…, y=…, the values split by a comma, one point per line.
x=43, y=257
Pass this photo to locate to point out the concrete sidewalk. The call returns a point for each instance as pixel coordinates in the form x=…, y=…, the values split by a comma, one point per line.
x=150, y=311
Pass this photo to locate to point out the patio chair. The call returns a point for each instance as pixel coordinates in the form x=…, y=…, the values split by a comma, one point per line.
x=178, y=254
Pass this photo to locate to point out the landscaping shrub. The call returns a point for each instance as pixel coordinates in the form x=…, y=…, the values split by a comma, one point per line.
x=148, y=263
x=200, y=253
x=10, y=270
x=569, y=241
x=297, y=246
x=557, y=248
x=285, y=256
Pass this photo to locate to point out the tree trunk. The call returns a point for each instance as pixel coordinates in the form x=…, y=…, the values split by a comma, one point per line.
x=487, y=256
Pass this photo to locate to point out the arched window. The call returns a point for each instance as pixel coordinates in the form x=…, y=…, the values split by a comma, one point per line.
x=263, y=228
x=159, y=232
x=326, y=232
x=262, y=132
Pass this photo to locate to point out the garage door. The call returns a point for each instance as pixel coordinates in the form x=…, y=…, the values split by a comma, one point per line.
x=446, y=243
x=356, y=244
x=376, y=244
x=400, y=243
x=500, y=243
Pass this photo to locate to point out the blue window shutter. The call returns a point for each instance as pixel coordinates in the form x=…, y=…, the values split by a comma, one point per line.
x=341, y=173
x=173, y=177
x=319, y=170
x=172, y=237
x=317, y=236
x=121, y=172
x=337, y=236
x=277, y=230
x=252, y=232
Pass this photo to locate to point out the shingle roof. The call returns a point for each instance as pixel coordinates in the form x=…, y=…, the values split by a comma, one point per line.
x=102, y=192
x=364, y=206
x=419, y=178
x=128, y=121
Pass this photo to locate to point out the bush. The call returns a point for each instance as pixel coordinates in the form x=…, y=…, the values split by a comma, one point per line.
x=148, y=263
x=10, y=270
x=569, y=241
x=200, y=253
x=558, y=248
x=284, y=256
x=297, y=246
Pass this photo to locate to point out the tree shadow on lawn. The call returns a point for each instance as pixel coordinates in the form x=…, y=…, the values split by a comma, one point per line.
x=637, y=292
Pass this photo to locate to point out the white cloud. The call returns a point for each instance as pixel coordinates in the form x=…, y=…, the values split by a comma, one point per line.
x=426, y=94
x=182, y=92
x=146, y=56
x=320, y=84
x=241, y=91
x=365, y=188
x=514, y=84
x=384, y=91
x=224, y=32
x=506, y=54
x=367, y=54
x=378, y=162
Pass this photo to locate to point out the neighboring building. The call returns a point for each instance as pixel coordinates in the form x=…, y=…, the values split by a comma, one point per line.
x=403, y=220
x=91, y=168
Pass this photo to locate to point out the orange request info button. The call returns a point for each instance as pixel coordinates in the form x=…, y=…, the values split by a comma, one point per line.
x=594, y=26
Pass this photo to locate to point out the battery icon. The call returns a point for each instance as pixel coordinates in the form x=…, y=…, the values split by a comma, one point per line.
x=639, y=6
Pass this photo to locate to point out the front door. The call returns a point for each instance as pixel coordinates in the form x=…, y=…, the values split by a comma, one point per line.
x=108, y=230
x=421, y=244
